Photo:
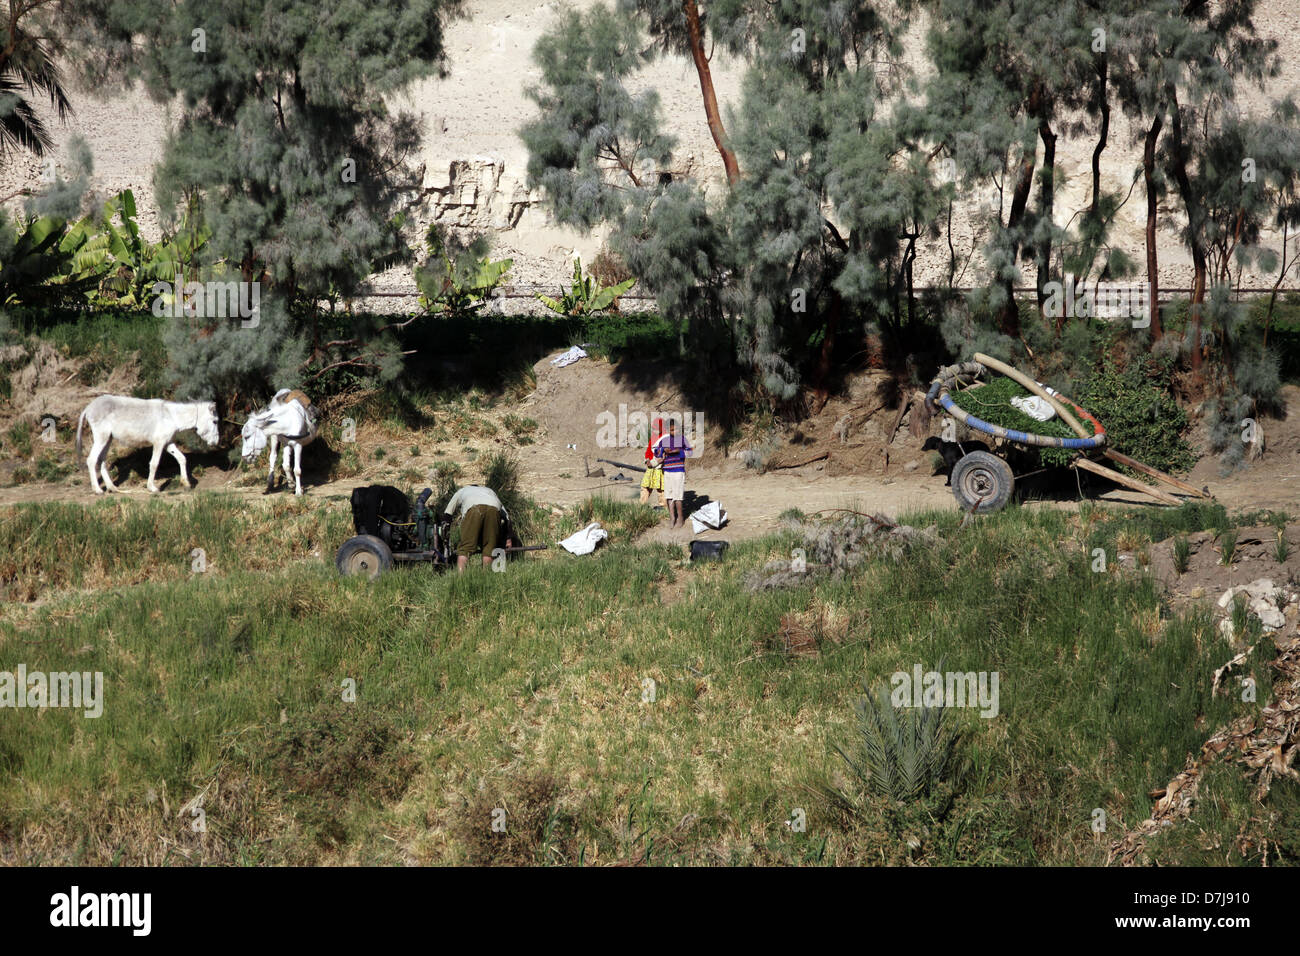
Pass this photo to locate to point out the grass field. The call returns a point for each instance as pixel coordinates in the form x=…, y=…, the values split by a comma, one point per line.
x=524, y=699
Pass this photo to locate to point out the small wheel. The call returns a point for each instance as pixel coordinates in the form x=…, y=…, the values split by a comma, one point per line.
x=984, y=478
x=365, y=555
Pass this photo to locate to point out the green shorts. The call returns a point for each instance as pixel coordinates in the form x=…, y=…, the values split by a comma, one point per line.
x=479, y=530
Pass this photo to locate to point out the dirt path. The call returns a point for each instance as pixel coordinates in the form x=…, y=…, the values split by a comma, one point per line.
x=874, y=461
x=753, y=501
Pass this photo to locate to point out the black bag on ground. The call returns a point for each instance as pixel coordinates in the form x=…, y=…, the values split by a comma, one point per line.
x=371, y=503
x=708, y=550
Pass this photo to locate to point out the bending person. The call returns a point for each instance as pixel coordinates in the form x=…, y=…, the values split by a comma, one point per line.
x=482, y=519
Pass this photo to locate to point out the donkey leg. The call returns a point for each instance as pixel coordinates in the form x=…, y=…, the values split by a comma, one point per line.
x=297, y=468
x=97, y=448
x=103, y=465
x=106, y=475
x=180, y=460
x=153, y=467
x=287, y=456
x=270, y=474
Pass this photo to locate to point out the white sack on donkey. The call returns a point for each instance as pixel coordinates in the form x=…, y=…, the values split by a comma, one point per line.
x=290, y=416
x=135, y=422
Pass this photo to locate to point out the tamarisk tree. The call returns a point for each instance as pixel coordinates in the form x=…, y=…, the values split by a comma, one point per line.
x=300, y=167
x=816, y=232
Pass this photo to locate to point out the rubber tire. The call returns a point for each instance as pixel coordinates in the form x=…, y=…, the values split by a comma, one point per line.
x=364, y=555
x=982, y=474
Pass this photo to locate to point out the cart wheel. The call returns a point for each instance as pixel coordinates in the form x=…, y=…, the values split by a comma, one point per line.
x=365, y=555
x=982, y=477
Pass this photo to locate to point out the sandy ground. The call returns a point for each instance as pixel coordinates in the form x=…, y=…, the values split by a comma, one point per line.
x=579, y=408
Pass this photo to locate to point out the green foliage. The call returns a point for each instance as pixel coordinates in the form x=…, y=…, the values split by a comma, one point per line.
x=290, y=140
x=29, y=67
x=991, y=402
x=520, y=428
x=501, y=473
x=586, y=295
x=1227, y=546
x=222, y=676
x=762, y=275
x=50, y=469
x=1141, y=417
x=100, y=260
x=214, y=358
x=903, y=753
x=19, y=439
x=105, y=339
x=457, y=279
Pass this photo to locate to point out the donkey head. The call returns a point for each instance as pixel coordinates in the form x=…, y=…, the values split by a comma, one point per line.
x=206, y=424
x=254, y=440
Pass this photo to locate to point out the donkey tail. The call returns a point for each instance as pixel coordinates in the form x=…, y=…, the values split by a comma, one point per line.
x=80, y=421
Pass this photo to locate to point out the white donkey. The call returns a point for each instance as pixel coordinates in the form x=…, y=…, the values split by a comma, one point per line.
x=134, y=422
x=290, y=416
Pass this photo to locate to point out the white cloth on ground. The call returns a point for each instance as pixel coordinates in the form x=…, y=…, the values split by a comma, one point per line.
x=1036, y=408
x=585, y=541
x=711, y=516
x=569, y=357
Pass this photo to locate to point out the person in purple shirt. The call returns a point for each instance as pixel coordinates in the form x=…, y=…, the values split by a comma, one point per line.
x=671, y=450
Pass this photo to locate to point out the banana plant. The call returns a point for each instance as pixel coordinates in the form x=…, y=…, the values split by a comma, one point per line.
x=37, y=267
x=458, y=285
x=586, y=295
x=101, y=259
x=112, y=254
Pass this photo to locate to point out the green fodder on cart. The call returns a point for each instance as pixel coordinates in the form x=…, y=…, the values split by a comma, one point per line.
x=991, y=401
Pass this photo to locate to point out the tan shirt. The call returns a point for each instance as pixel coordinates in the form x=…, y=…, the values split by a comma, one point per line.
x=471, y=495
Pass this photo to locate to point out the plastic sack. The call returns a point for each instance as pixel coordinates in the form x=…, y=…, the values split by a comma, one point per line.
x=1036, y=408
x=585, y=541
x=711, y=516
x=569, y=357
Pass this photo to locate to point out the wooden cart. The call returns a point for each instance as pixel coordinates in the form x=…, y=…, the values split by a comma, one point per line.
x=984, y=481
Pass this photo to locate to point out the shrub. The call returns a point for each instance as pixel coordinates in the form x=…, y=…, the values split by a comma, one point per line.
x=501, y=474
x=904, y=756
x=335, y=755
x=1227, y=545
x=1140, y=416
x=50, y=469
x=520, y=824
x=20, y=440
x=521, y=428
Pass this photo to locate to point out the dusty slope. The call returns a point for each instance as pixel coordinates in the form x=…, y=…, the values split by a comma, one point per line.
x=867, y=467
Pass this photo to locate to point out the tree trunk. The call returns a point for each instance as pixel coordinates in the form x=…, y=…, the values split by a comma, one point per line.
x=1009, y=317
x=822, y=391
x=1046, y=200
x=1148, y=177
x=1272, y=298
x=696, y=34
x=1194, y=223
x=1104, y=93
